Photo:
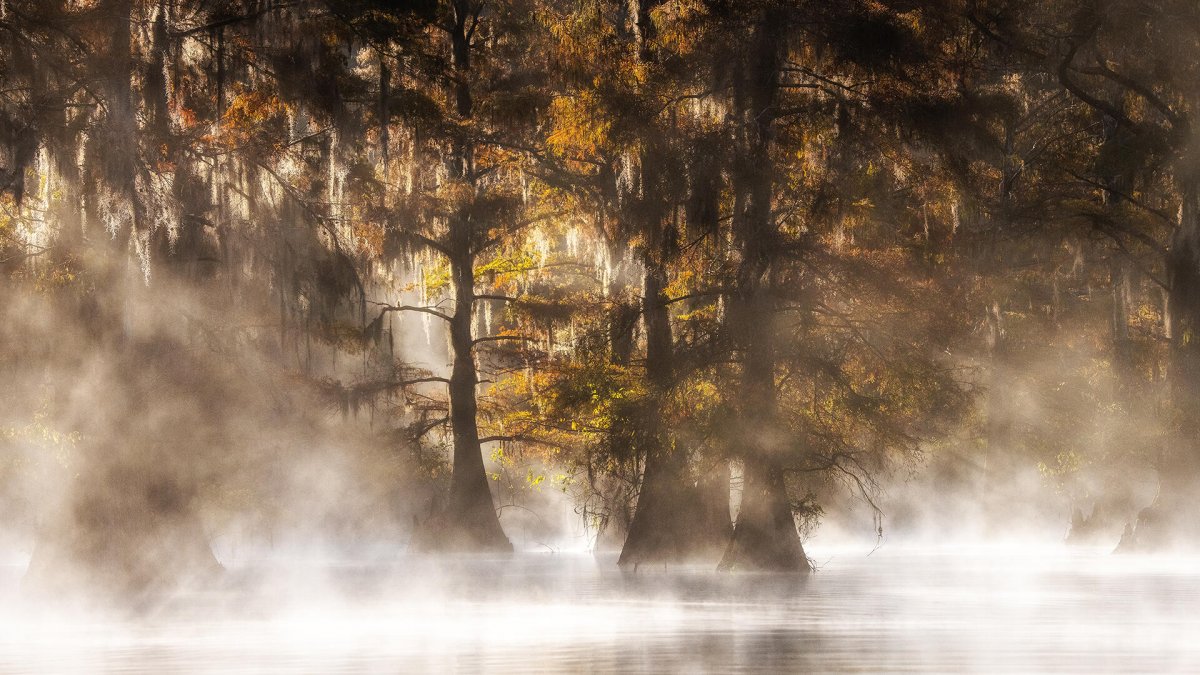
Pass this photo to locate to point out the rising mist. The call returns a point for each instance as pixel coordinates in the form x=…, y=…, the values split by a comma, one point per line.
x=318, y=316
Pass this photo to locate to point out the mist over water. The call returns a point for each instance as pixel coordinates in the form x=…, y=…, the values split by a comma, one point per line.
x=944, y=609
x=599, y=335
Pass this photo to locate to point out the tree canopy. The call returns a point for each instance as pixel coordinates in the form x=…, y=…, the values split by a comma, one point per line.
x=710, y=269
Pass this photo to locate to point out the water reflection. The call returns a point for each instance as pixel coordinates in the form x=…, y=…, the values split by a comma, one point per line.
x=982, y=610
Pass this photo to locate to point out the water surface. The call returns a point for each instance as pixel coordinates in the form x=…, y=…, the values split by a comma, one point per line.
x=950, y=610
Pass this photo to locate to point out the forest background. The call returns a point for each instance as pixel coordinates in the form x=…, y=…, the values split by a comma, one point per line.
x=679, y=277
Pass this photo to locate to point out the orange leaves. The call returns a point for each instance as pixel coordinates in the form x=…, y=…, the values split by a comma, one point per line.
x=255, y=120
x=184, y=116
x=580, y=127
x=369, y=235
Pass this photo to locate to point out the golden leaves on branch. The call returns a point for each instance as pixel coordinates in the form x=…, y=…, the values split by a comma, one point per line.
x=255, y=120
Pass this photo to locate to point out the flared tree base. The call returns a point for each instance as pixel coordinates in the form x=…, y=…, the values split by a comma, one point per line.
x=765, y=537
x=765, y=549
x=461, y=531
x=678, y=529
x=1167, y=524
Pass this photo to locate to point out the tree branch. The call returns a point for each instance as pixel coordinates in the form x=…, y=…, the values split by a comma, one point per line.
x=499, y=338
x=385, y=308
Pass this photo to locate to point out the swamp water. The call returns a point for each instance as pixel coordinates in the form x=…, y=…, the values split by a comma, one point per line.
x=988, y=609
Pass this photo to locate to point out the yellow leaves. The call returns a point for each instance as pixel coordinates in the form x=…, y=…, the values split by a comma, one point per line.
x=580, y=128
x=456, y=195
x=498, y=456
x=913, y=20
x=696, y=398
x=683, y=281
x=1147, y=317
x=507, y=266
x=1065, y=462
x=490, y=156
x=676, y=25
x=437, y=278
x=60, y=275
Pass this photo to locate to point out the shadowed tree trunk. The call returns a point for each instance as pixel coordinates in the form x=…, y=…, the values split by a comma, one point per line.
x=1183, y=268
x=617, y=491
x=671, y=524
x=150, y=423
x=668, y=524
x=468, y=519
x=1112, y=507
x=996, y=491
x=129, y=530
x=765, y=535
x=1170, y=519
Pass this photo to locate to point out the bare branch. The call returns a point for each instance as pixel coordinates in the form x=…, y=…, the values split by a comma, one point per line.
x=385, y=308
x=499, y=338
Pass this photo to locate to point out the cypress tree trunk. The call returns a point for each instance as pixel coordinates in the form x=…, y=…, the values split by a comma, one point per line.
x=1111, y=506
x=994, y=483
x=128, y=530
x=667, y=525
x=617, y=492
x=468, y=520
x=765, y=535
x=624, y=314
x=1183, y=267
x=1171, y=519
x=653, y=533
x=670, y=523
